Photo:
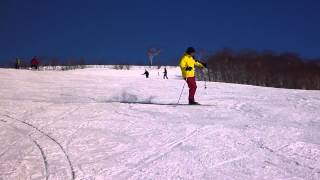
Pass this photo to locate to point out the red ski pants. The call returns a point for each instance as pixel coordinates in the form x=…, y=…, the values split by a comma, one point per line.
x=191, y=81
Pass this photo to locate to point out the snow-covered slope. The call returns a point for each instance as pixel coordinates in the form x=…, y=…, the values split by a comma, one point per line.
x=70, y=125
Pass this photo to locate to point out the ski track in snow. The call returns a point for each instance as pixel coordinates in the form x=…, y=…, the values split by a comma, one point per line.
x=167, y=148
x=44, y=156
x=109, y=124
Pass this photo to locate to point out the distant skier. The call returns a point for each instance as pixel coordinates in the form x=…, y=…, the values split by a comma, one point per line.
x=165, y=74
x=187, y=64
x=146, y=73
x=34, y=63
x=18, y=63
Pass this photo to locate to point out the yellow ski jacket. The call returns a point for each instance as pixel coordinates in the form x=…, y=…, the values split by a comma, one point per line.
x=188, y=61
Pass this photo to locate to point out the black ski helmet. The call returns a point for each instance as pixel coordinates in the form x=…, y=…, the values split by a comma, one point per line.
x=190, y=50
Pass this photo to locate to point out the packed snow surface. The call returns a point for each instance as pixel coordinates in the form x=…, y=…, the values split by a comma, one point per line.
x=100, y=123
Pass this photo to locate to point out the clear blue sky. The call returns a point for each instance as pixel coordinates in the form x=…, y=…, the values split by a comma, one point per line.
x=124, y=29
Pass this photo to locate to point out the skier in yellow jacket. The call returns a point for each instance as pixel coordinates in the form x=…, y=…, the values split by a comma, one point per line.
x=187, y=64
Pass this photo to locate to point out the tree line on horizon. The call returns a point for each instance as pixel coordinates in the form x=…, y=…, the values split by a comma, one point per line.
x=270, y=69
x=267, y=68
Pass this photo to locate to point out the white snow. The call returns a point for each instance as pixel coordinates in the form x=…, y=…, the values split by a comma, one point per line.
x=71, y=125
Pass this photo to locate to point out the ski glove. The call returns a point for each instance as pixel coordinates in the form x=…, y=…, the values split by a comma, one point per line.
x=188, y=68
x=205, y=65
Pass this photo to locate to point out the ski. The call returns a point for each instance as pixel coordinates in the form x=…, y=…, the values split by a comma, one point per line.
x=166, y=104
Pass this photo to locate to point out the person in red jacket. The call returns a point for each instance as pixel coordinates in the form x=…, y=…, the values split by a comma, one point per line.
x=34, y=63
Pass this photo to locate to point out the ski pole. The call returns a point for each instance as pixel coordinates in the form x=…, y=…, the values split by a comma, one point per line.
x=205, y=78
x=181, y=92
x=205, y=83
x=208, y=76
